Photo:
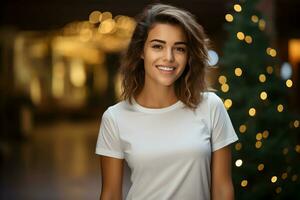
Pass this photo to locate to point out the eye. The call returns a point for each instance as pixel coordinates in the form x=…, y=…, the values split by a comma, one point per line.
x=157, y=46
x=180, y=49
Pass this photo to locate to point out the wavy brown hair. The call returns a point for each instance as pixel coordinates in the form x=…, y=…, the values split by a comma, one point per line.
x=190, y=85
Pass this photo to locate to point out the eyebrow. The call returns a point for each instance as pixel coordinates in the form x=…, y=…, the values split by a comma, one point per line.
x=164, y=42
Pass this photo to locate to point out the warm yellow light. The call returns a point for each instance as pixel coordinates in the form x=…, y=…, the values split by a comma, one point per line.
x=85, y=34
x=228, y=103
x=240, y=35
x=77, y=73
x=254, y=18
x=248, y=39
x=105, y=16
x=268, y=50
x=237, y=7
x=107, y=26
x=294, y=50
x=229, y=17
x=225, y=87
x=258, y=144
x=285, y=151
x=265, y=134
x=278, y=190
x=274, y=179
x=222, y=79
x=269, y=69
x=35, y=90
x=297, y=148
x=94, y=17
x=289, y=83
x=294, y=177
x=280, y=108
x=252, y=112
x=284, y=175
x=296, y=123
x=244, y=183
x=258, y=136
x=242, y=128
x=238, y=162
x=262, y=78
x=238, y=146
x=263, y=95
x=238, y=71
x=262, y=24
x=260, y=167
x=273, y=52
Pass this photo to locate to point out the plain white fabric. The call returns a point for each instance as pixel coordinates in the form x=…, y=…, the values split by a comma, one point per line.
x=168, y=150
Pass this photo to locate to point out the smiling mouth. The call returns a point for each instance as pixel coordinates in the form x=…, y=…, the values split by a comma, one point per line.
x=166, y=68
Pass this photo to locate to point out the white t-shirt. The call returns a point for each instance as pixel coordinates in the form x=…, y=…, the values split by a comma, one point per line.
x=169, y=149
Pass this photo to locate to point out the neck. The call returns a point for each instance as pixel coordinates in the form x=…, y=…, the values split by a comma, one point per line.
x=157, y=97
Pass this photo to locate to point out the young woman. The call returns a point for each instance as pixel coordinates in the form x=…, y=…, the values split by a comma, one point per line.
x=171, y=131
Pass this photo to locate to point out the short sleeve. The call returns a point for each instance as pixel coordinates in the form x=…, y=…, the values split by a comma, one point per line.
x=108, y=142
x=223, y=132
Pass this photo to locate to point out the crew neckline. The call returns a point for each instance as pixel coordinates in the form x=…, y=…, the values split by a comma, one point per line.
x=156, y=110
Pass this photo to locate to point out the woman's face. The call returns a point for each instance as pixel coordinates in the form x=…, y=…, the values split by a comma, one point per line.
x=165, y=55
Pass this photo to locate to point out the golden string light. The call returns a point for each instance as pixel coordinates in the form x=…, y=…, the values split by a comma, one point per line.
x=240, y=35
x=263, y=95
x=284, y=175
x=262, y=24
x=296, y=123
x=242, y=128
x=238, y=71
x=248, y=39
x=238, y=162
x=244, y=183
x=265, y=134
x=259, y=136
x=278, y=190
x=229, y=18
x=269, y=69
x=274, y=179
x=260, y=167
x=289, y=83
x=237, y=7
x=94, y=17
x=222, y=79
x=238, y=146
x=294, y=177
x=228, y=103
x=225, y=87
x=262, y=78
x=297, y=148
x=252, y=112
x=279, y=107
x=254, y=18
x=285, y=151
x=258, y=144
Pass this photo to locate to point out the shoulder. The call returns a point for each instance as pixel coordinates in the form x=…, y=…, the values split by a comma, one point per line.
x=211, y=99
x=117, y=109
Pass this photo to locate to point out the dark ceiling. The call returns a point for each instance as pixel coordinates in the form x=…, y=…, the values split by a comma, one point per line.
x=54, y=14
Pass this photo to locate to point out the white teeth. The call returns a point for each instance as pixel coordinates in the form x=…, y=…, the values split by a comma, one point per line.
x=166, y=68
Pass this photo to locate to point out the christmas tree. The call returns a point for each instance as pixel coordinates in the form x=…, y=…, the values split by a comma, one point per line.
x=266, y=159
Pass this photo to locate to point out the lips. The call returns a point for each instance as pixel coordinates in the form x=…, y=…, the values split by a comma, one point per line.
x=165, y=68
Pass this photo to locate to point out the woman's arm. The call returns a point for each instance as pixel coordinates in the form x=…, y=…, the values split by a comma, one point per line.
x=112, y=178
x=221, y=187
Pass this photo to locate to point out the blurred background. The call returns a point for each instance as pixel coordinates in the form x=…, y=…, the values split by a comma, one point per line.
x=59, y=64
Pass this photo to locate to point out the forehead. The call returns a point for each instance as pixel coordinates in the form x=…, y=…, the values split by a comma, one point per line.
x=167, y=32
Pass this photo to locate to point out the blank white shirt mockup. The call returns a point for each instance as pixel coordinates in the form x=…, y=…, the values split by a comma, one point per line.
x=168, y=149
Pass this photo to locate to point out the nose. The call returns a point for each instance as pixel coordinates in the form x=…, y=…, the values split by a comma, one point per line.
x=169, y=55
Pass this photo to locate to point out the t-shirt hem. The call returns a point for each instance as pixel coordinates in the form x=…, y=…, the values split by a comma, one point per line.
x=224, y=143
x=105, y=152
